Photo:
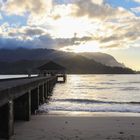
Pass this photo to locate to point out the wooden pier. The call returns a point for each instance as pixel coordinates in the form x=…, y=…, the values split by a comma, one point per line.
x=19, y=98
x=52, y=68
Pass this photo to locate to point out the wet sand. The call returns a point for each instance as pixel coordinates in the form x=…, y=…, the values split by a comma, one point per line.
x=97, y=127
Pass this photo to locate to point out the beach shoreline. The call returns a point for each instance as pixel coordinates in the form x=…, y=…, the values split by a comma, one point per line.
x=78, y=127
x=88, y=114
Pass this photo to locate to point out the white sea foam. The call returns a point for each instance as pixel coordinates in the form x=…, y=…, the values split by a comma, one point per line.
x=93, y=108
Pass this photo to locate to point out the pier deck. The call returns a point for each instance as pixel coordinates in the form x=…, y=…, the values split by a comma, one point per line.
x=19, y=98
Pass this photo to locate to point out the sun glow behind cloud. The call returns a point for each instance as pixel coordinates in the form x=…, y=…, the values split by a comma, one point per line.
x=91, y=46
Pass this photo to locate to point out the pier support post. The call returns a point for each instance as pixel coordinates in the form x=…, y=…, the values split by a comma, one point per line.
x=45, y=91
x=41, y=94
x=47, y=88
x=65, y=78
x=50, y=87
x=22, y=107
x=34, y=100
x=6, y=120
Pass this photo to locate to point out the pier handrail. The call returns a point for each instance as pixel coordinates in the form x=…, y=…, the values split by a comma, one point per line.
x=17, y=78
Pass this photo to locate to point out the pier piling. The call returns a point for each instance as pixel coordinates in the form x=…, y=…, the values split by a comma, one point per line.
x=6, y=120
x=22, y=107
x=45, y=91
x=41, y=94
x=34, y=100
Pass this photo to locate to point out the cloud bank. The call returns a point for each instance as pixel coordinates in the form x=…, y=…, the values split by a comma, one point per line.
x=34, y=7
x=58, y=25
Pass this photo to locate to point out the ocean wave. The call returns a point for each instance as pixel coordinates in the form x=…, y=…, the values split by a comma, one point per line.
x=116, y=108
x=108, y=88
x=108, y=83
x=134, y=82
x=130, y=88
x=88, y=101
x=90, y=88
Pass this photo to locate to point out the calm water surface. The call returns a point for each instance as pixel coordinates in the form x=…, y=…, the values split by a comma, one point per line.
x=96, y=93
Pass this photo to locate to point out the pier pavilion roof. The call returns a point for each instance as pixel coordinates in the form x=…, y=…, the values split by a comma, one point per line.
x=52, y=66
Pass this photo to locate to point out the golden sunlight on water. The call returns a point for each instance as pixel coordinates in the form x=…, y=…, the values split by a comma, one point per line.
x=96, y=93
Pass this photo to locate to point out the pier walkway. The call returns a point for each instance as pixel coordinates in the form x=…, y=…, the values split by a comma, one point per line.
x=19, y=98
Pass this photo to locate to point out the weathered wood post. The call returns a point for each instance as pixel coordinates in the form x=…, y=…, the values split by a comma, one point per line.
x=6, y=120
x=22, y=107
x=54, y=81
x=65, y=78
x=51, y=85
x=49, y=88
x=45, y=91
x=34, y=100
x=41, y=94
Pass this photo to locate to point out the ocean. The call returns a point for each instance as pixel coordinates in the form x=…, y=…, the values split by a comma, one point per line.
x=96, y=93
x=93, y=93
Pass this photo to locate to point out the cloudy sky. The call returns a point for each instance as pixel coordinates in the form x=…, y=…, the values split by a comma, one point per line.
x=110, y=26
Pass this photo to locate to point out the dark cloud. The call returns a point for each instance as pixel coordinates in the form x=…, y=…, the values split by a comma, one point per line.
x=113, y=45
x=33, y=31
x=14, y=43
x=132, y=35
x=62, y=42
x=26, y=31
x=43, y=41
x=72, y=41
x=110, y=38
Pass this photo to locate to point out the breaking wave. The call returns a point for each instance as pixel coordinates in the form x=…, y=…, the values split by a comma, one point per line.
x=88, y=101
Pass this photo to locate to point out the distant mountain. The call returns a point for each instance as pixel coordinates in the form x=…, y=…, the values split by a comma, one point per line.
x=21, y=60
x=12, y=55
x=103, y=58
x=41, y=54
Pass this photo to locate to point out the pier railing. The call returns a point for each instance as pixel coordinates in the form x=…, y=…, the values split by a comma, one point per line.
x=20, y=98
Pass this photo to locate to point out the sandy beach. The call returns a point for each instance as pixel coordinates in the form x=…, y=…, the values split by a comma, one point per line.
x=96, y=127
